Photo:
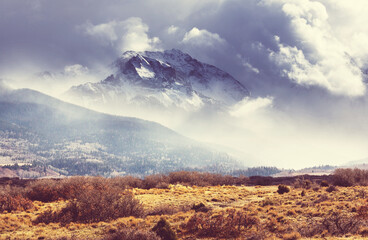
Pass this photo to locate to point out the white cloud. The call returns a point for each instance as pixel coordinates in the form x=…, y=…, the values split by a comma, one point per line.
x=136, y=37
x=247, y=65
x=337, y=75
x=251, y=68
x=319, y=56
x=250, y=106
x=131, y=34
x=202, y=37
x=349, y=24
x=75, y=70
x=172, y=29
x=105, y=32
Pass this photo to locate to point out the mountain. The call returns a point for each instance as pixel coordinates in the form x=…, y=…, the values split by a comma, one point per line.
x=162, y=80
x=361, y=164
x=36, y=128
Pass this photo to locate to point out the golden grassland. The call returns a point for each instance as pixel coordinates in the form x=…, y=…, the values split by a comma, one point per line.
x=226, y=212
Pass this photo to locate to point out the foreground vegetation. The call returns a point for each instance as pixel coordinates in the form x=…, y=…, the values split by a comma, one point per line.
x=186, y=205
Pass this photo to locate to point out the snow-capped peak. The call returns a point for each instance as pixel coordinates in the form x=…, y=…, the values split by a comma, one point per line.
x=129, y=54
x=169, y=79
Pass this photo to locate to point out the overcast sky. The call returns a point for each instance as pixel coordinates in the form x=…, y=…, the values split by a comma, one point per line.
x=307, y=59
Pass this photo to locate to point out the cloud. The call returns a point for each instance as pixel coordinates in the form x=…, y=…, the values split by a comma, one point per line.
x=348, y=21
x=4, y=88
x=105, y=32
x=56, y=83
x=247, y=65
x=130, y=34
x=318, y=57
x=202, y=37
x=172, y=29
x=334, y=72
x=249, y=106
x=136, y=37
x=143, y=25
x=75, y=70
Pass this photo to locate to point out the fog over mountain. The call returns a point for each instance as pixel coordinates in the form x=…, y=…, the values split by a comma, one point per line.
x=302, y=68
x=161, y=86
x=36, y=128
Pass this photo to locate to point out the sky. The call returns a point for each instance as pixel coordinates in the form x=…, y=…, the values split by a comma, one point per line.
x=305, y=63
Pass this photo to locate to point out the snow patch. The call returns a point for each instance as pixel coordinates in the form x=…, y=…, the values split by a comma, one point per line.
x=144, y=72
x=164, y=63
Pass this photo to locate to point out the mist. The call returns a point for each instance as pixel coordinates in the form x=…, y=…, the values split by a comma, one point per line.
x=263, y=132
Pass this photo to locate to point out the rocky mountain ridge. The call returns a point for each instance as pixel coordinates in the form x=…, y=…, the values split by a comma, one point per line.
x=170, y=80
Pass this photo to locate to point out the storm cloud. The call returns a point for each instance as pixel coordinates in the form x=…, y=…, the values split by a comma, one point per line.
x=303, y=42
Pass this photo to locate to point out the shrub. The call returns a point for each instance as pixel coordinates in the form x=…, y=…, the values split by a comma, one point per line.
x=324, y=183
x=311, y=227
x=11, y=203
x=45, y=190
x=302, y=193
x=164, y=230
x=291, y=212
x=283, y=189
x=70, y=188
x=259, y=180
x=334, y=223
x=127, y=182
x=361, y=193
x=331, y=189
x=363, y=212
x=95, y=205
x=155, y=181
x=338, y=223
x=308, y=184
x=272, y=225
x=269, y=202
x=301, y=183
x=49, y=190
x=163, y=185
x=200, y=208
x=349, y=177
x=132, y=234
x=363, y=231
x=227, y=223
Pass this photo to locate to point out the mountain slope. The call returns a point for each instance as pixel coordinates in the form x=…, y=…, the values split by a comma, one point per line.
x=74, y=140
x=164, y=80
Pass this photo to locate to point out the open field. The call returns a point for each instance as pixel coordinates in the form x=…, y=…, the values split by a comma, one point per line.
x=308, y=211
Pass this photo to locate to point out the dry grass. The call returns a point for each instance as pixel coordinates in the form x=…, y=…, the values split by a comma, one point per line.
x=231, y=212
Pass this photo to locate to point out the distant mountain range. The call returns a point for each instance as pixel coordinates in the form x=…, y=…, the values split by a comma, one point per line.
x=36, y=128
x=170, y=80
